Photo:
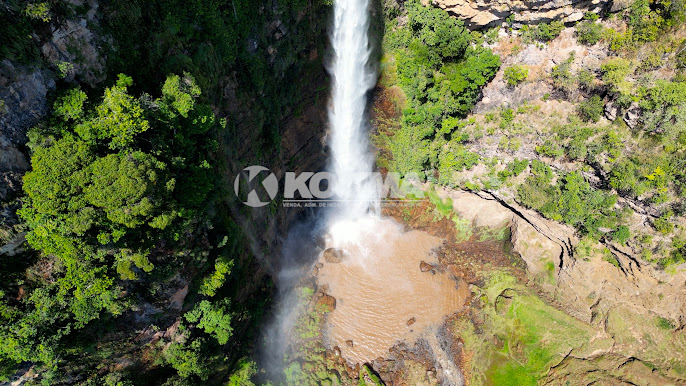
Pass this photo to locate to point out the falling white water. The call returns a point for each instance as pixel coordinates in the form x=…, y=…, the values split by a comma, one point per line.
x=353, y=77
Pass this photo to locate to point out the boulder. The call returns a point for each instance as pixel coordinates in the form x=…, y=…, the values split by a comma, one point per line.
x=611, y=111
x=328, y=301
x=425, y=267
x=334, y=255
x=632, y=115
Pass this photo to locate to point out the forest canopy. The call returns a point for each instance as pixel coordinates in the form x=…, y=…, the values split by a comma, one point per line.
x=110, y=179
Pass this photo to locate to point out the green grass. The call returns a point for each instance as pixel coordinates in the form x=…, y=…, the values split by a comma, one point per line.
x=443, y=206
x=535, y=335
x=664, y=323
x=463, y=228
x=375, y=380
x=499, y=234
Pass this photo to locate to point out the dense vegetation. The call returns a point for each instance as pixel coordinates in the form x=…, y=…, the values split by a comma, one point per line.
x=124, y=204
x=112, y=183
x=616, y=167
x=441, y=72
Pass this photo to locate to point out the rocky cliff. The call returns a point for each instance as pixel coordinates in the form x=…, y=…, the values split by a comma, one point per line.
x=485, y=14
x=621, y=297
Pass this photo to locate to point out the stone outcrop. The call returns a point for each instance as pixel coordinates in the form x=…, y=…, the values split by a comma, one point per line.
x=484, y=14
x=540, y=61
x=74, y=46
x=590, y=286
x=425, y=267
x=333, y=255
x=23, y=100
x=636, y=309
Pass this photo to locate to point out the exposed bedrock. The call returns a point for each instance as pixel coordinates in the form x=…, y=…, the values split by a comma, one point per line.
x=587, y=287
x=484, y=14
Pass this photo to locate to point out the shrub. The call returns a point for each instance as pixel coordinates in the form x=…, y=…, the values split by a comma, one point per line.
x=549, y=149
x=515, y=75
x=619, y=41
x=572, y=200
x=39, y=11
x=514, y=168
x=543, y=32
x=506, y=117
x=614, y=73
x=645, y=24
x=547, y=32
x=591, y=109
x=455, y=158
x=625, y=178
x=562, y=75
x=665, y=113
x=585, y=78
x=663, y=225
x=664, y=323
x=651, y=62
x=621, y=234
x=589, y=33
x=680, y=58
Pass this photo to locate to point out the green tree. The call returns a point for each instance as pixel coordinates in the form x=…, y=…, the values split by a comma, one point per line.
x=101, y=194
x=187, y=358
x=591, y=109
x=245, y=370
x=621, y=234
x=213, y=318
x=644, y=22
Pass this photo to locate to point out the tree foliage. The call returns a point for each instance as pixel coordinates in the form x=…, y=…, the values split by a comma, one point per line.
x=103, y=192
x=442, y=76
x=571, y=200
x=213, y=318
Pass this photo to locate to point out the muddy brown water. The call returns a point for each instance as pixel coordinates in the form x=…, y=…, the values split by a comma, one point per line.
x=382, y=296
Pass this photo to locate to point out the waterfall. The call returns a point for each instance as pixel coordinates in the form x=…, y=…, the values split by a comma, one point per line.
x=351, y=159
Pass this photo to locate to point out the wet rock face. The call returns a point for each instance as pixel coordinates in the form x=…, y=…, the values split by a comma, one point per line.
x=23, y=101
x=481, y=14
x=73, y=42
x=13, y=164
x=327, y=301
x=334, y=255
